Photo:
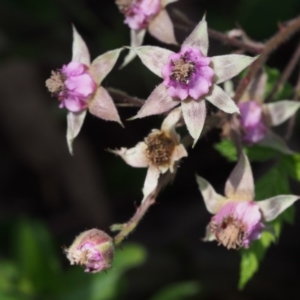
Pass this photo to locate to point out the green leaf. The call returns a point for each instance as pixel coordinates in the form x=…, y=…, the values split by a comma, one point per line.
x=178, y=291
x=227, y=149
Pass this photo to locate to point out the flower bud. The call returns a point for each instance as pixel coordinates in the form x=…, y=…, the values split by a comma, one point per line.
x=92, y=249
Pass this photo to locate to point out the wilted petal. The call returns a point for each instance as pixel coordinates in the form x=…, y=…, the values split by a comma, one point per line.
x=222, y=100
x=271, y=208
x=103, y=64
x=171, y=120
x=135, y=157
x=240, y=185
x=212, y=200
x=273, y=141
x=80, y=52
x=209, y=235
x=136, y=40
x=151, y=181
x=228, y=66
x=278, y=112
x=199, y=37
x=161, y=27
x=102, y=106
x=154, y=58
x=158, y=102
x=74, y=124
x=164, y=3
x=194, y=113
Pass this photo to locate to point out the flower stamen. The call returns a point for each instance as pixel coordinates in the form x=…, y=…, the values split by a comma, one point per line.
x=183, y=68
x=56, y=83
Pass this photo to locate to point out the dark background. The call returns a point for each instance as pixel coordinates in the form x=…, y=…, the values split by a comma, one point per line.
x=39, y=180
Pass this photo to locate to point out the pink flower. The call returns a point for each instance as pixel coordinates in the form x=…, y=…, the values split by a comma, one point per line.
x=238, y=219
x=189, y=78
x=252, y=122
x=92, y=249
x=159, y=152
x=146, y=15
x=77, y=86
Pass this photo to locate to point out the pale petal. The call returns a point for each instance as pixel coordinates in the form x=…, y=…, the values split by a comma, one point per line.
x=257, y=88
x=271, y=208
x=171, y=120
x=154, y=58
x=151, y=181
x=102, y=106
x=164, y=3
x=222, y=100
x=136, y=40
x=135, y=157
x=278, y=112
x=212, y=200
x=80, y=52
x=240, y=185
x=274, y=141
x=74, y=124
x=199, y=37
x=161, y=27
x=178, y=153
x=194, y=113
x=228, y=66
x=103, y=64
x=158, y=102
x=209, y=236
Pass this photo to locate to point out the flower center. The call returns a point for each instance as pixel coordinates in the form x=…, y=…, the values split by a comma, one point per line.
x=124, y=5
x=230, y=233
x=183, y=68
x=160, y=148
x=56, y=83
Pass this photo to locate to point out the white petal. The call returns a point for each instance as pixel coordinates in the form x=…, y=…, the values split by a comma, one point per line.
x=154, y=58
x=212, y=200
x=209, y=236
x=136, y=40
x=273, y=207
x=199, y=37
x=256, y=88
x=74, y=124
x=161, y=27
x=240, y=185
x=80, y=52
x=228, y=66
x=178, y=153
x=222, y=100
x=151, y=181
x=278, y=112
x=103, y=64
x=171, y=120
x=164, y=3
x=194, y=113
x=135, y=157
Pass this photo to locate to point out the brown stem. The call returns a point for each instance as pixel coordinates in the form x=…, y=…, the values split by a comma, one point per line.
x=122, y=99
x=285, y=32
x=285, y=74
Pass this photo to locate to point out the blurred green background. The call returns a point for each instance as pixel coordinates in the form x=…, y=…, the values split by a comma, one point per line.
x=48, y=197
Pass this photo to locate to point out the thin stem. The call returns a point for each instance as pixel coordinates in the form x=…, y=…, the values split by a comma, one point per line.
x=285, y=74
x=285, y=32
x=122, y=99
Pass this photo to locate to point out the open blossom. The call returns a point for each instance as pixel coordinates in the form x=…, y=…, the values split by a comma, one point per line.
x=143, y=15
x=92, y=249
x=190, y=77
x=159, y=152
x=77, y=86
x=238, y=219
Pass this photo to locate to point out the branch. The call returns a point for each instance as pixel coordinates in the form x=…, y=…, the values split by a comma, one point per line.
x=122, y=99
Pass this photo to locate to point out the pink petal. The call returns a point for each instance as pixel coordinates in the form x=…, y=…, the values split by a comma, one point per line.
x=80, y=52
x=103, y=107
x=240, y=185
x=212, y=200
x=222, y=100
x=278, y=112
x=154, y=58
x=74, y=124
x=136, y=40
x=158, y=102
x=194, y=113
x=151, y=181
x=161, y=27
x=83, y=85
x=273, y=207
x=73, y=104
x=103, y=64
x=135, y=157
x=199, y=37
x=228, y=66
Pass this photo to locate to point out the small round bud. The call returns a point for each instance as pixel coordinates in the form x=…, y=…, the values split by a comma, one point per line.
x=93, y=249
